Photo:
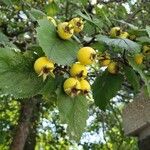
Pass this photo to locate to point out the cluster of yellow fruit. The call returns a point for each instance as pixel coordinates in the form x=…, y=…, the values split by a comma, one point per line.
x=77, y=83
x=139, y=57
x=105, y=61
x=67, y=29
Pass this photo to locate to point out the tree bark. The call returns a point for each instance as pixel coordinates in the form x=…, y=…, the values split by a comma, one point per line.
x=24, y=123
x=31, y=139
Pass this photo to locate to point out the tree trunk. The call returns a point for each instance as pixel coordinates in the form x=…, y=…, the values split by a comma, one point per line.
x=24, y=123
x=31, y=139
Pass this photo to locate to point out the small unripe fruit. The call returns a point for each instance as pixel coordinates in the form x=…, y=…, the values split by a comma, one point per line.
x=50, y=1
x=146, y=49
x=78, y=24
x=104, y=59
x=72, y=87
x=52, y=20
x=78, y=70
x=65, y=30
x=115, y=31
x=85, y=86
x=17, y=8
x=132, y=37
x=43, y=67
x=113, y=68
x=105, y=62
x=138, y=58
x=86, y=55
x=124, y=35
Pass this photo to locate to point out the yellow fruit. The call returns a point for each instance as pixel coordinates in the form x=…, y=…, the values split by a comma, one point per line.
x=146, y=49
x=78, y=70
x=115, y=31
x=52, y=20
x=104, y=59
x=72, y=87
x=17, y=8
x=50, y=1
x=86, y=55
x=113, y=68
x=43, y=67
x=124, y=35
x=85, y=86
x=65, y=30
x=138, y=58
x=78, y=24
x=105, y=62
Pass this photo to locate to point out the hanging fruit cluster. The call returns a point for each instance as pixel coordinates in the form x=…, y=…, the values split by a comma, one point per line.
x=77, y=82
x=117, y=32
x=67, y=29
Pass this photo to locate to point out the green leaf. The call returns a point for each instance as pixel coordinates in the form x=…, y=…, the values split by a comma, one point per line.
x=95, y=21
x=138, y=32
x=106, y=87
x=89, y=29
x=11, y=2
x=61, y=51
x=100, y=46
x=51, y=9
x=132, y=78
x=17, y=77
x=148, y=30
x=143, y=39
x=51, y=85
x=7, y=2
x=126, y=44
x=84, y=2
x=36, y=14
x=4, y=40
x=74, y=112
x=128, y=24
x=139, y=69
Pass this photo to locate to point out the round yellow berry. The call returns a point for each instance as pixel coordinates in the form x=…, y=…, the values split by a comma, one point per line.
x=65, y=30
x=86, y=55
x=115, y=31
x=72, y=87
x=78, y=70
x=146, y=49
x=104, y=59
x=113, y=68
x=78, y=24
x=138, y=58
x=124, y=35
x=85, y=86
x=43, y=67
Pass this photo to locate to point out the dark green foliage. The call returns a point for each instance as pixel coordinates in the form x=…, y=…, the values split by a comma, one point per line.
x=105, y=88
